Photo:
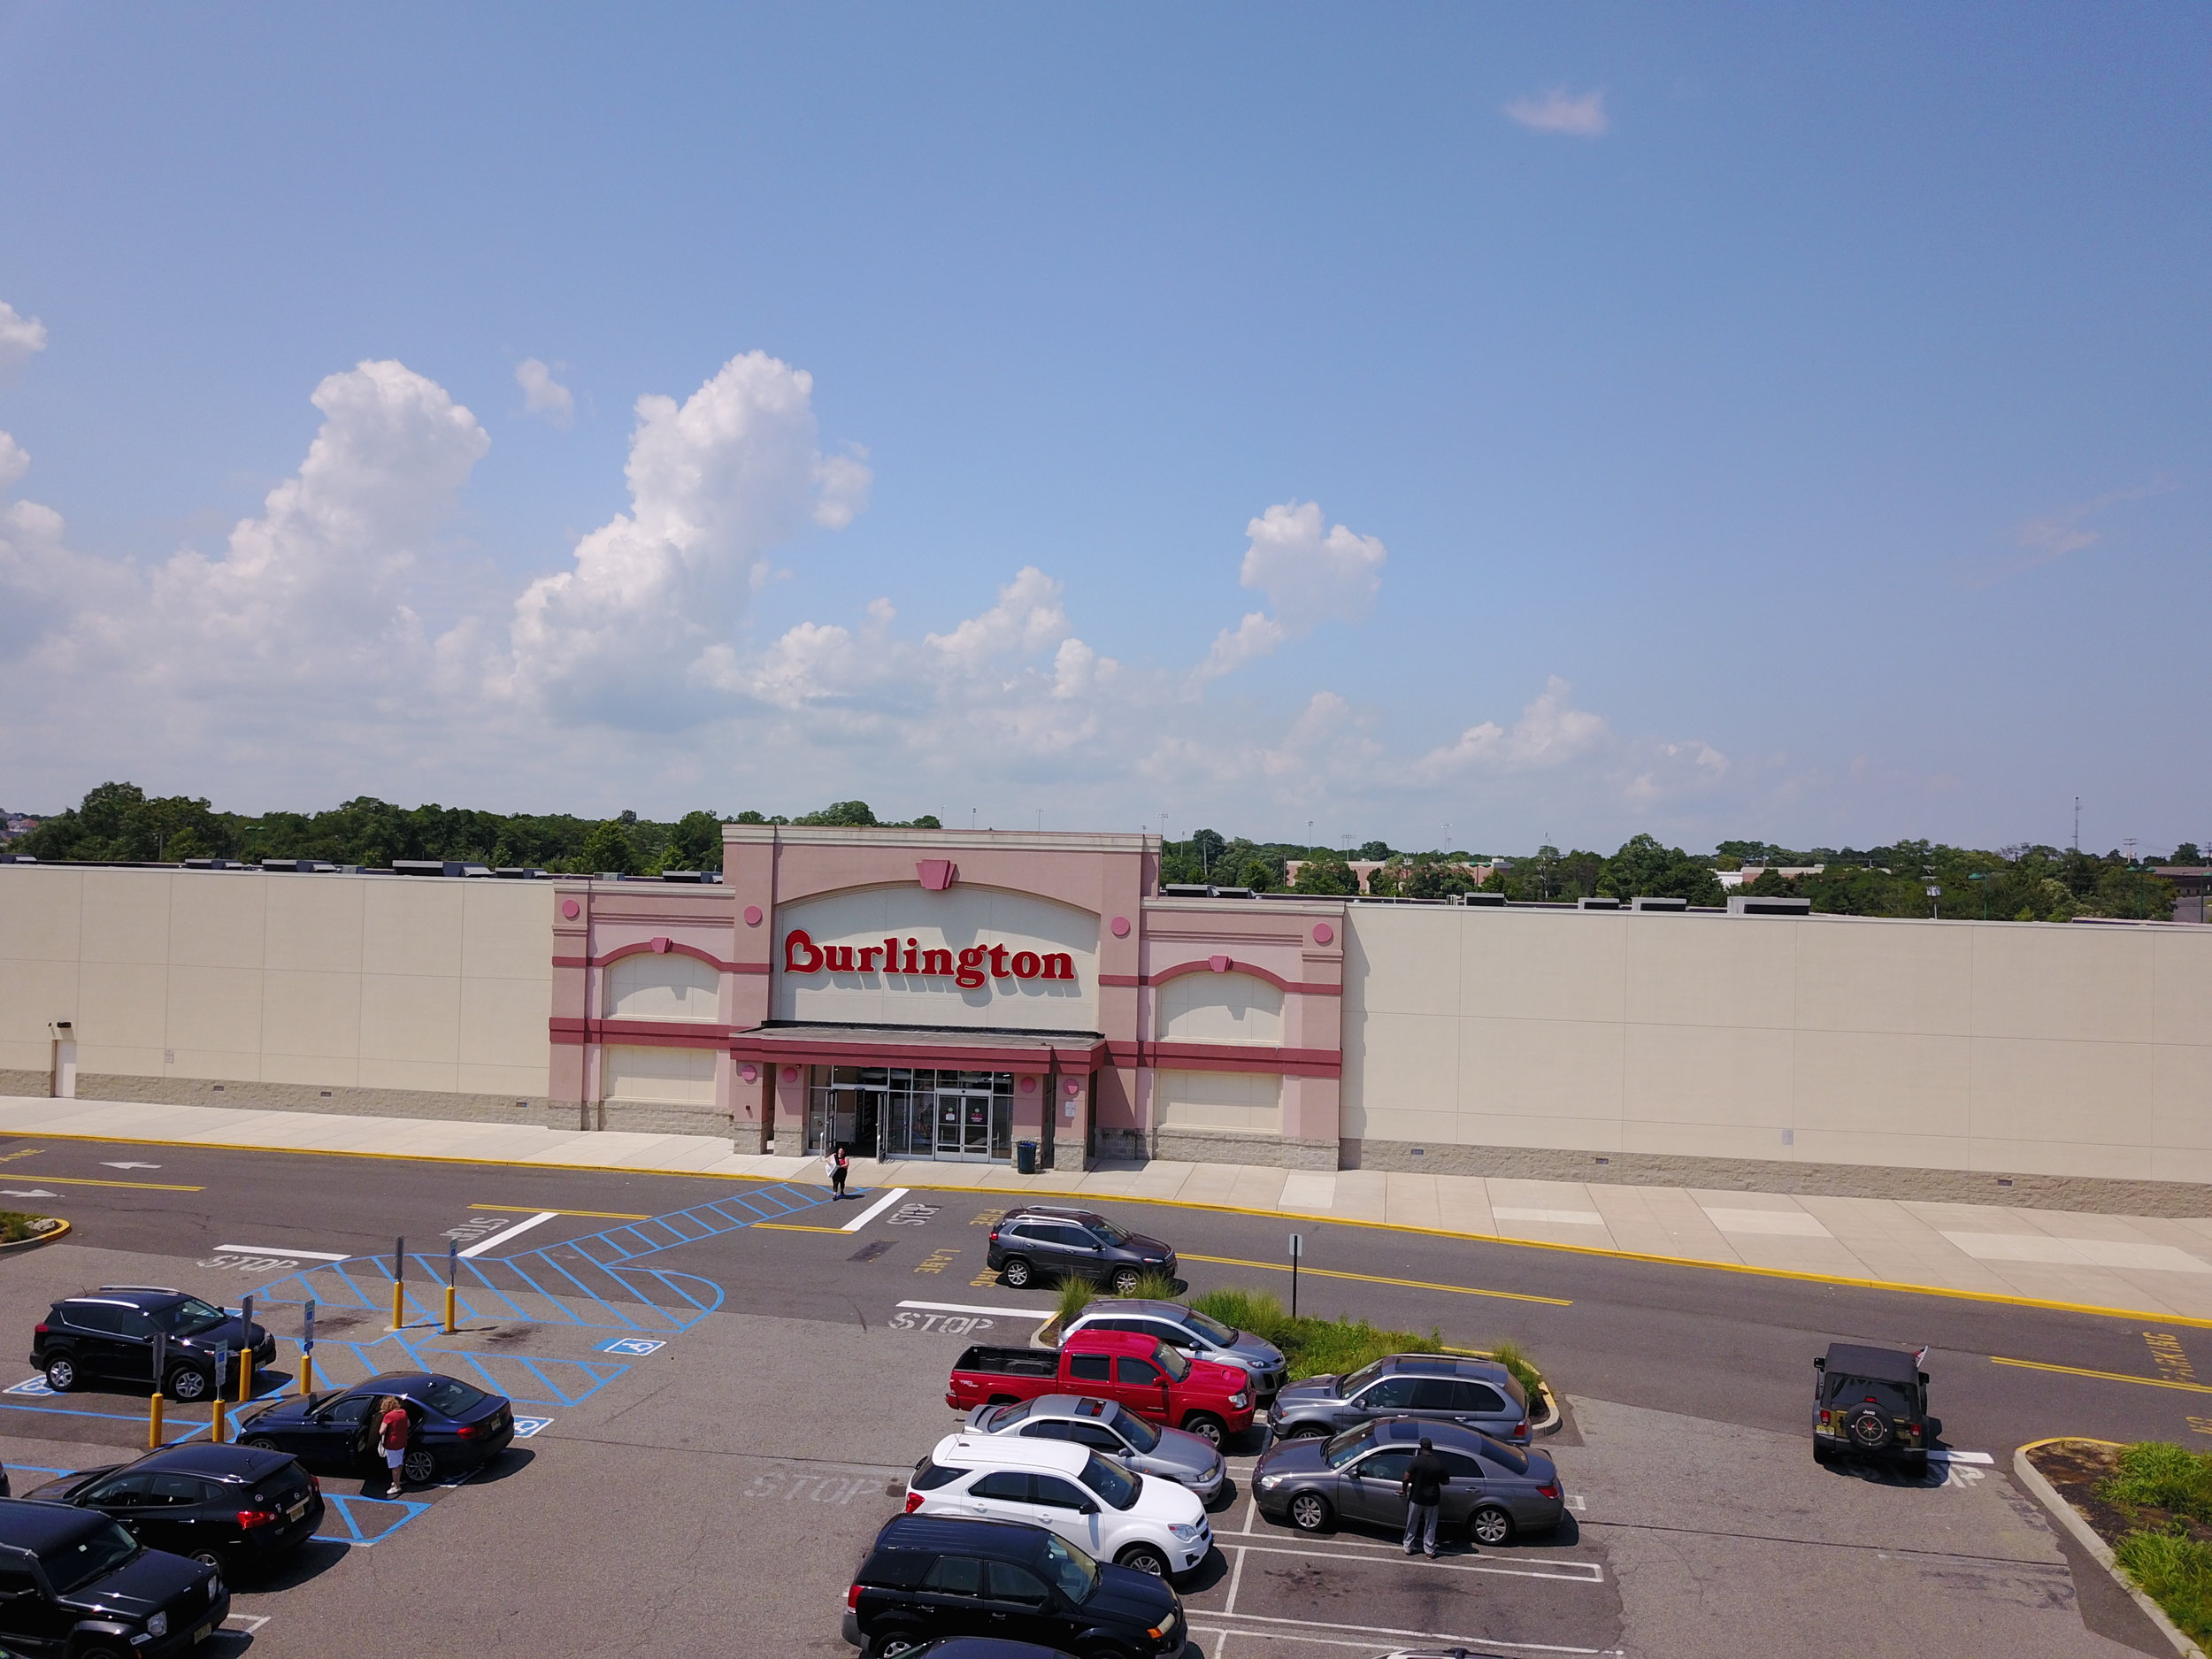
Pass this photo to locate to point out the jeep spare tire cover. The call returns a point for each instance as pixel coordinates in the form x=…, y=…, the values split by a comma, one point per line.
x=1868, y=1429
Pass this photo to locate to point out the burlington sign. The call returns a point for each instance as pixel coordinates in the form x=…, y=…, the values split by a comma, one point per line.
x=966, y=968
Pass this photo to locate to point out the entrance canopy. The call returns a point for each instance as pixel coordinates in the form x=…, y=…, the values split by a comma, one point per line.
x=1072, y=1053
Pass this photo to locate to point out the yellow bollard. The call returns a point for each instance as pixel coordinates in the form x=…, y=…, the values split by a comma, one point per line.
x=245, y=1377
x=399, y=1305
x=215, y=1423
x=153, y=1420
x=307, y=1374
x=449, y=1311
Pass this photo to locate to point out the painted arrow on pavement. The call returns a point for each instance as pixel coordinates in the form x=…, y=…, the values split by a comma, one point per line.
x=9, y=1191
x=130, y=1166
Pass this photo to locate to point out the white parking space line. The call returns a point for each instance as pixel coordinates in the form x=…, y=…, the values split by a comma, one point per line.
x=1425, y=1638
x=961, y=1307
x=482, y=1245
x=286, y=1251
x=1557, y=1572
x=874, y=1211
x=1961, y=1457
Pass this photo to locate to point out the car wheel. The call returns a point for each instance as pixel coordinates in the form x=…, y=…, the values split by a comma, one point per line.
x=1304, y=1432
x=260, y=1443
x=208, y=1558
x=186, y=1384
x=1309, y=1512
x=101, y=1652
x=1491, y=1525
x=421, y=1466
x=1206, y=1426
x=1125, y=1281
x=1144, y=1558
x=61, y=1373
x=894, y=1642
x=1017, y=1272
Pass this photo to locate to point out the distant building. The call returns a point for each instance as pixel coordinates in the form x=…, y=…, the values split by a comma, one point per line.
x=1752, y=872
x=15, y=824
x=2189, y=884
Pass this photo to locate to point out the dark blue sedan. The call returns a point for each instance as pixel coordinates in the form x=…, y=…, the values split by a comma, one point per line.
x=458, y=1427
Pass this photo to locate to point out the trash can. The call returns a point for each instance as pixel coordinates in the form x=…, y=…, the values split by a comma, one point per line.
x=1024, y=1157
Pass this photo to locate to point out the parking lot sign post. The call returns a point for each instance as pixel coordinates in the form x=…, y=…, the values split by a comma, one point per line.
x=245, y=1351
x=155, y=1401
x=452, y=1272
x=399, y=1284
x=1297, y=1250
x=307, y=1351
x=215, y=1423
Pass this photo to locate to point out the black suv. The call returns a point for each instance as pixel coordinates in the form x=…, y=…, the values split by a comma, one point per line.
x=1872, y=1402
x=1038, y=1242
x=231, y=1506
x=74, y=1583
x=109, y=1332
x=927, y=1576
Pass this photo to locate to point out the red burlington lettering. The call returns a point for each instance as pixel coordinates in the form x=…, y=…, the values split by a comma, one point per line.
x=998, y=962
x=802, y=955
x=910, y=957
x=840, y=957
x=1059, y=965
x=794, y=943
x=971, y=974
x=1026, y=965
x=890, y=956
x=868, y=955
x=936, y=964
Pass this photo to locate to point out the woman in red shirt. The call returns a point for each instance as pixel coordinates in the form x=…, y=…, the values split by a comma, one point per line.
x=393, y=1428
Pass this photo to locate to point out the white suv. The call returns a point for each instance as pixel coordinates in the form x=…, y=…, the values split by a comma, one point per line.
x=1151, y=1524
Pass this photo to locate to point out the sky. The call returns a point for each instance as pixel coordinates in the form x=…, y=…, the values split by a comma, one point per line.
x=1447, y=425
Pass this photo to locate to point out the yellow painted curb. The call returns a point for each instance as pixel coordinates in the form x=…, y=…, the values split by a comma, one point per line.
x=1045, y=1196
x=46, y=1237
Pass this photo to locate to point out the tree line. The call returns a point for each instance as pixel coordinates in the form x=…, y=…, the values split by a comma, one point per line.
x=120, y=823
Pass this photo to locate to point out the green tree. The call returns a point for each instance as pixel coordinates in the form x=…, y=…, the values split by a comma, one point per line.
x=841, y=815
x=1259, y=875
x=608, y=850
x=2186, y=854
x=1329, y=874
x=1373, y=850
x=1644, y=869
x=693, y=843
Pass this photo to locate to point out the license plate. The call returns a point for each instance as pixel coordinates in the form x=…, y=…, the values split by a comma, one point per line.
x=296, y=1511
x=201, y=1634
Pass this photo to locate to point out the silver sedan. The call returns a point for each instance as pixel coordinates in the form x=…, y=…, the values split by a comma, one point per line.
x=1145, y=1449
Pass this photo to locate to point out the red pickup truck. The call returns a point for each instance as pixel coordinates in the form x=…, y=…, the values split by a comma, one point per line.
x=1142, y=1373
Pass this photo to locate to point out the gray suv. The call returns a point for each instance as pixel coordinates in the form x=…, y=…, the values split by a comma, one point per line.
x=1196, y=1334
x=1041, y=1242
x=1476, y=1393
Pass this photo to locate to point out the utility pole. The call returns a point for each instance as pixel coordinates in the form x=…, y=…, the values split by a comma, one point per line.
x=2077, y=823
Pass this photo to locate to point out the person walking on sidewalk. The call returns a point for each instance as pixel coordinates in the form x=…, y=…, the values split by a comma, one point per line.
x=393, y=1427
x=839, y=1165
x=1423, y=1488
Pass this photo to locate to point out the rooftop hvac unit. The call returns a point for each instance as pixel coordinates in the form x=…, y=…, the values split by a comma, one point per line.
x=212, y=864
x=690, y=875
x=17, y=858
x=1233, y=893
x=1487, y=901
x=437, y=867
x=1742, y=904
x=519, y=872
x=1658, y=904
x=1185, y=890
x=297, y=866
x=1597, y=904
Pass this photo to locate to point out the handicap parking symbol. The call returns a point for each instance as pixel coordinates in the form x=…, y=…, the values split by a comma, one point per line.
x=635, y=1345
x=524, y=1427
x=29, y=1386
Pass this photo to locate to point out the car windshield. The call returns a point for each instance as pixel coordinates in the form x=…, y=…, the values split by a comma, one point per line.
x=1346, y=1387
x=452, y=1397
x=1006, y=1416
x=1173, y=1362
x=1075, y=1573
x=1348, y=1445
x=90, y=1555
x=1108, y=1231
x=1111, y=1482
x=1847, y=1391
x=182, y=1319
x=1135, y=1430
x=1215, y=1332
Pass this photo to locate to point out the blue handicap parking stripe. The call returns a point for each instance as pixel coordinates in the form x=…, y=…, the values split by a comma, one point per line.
x=366, y=1520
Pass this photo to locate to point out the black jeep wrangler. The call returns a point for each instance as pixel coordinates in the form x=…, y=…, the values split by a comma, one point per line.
x=1872, y=1402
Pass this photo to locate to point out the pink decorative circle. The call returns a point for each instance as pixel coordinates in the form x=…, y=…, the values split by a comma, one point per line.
x=1029, y=1086
x=1120, y=924
x=1074, y=1089
x=1322, y=933
x=752, y=916
x=571, y=909
x=791, y=1074
x=751, y=1074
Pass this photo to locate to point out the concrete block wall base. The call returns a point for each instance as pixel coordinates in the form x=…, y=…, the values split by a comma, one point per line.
x=295, y=1097
x=1189, y=1146
x=2089, y=1195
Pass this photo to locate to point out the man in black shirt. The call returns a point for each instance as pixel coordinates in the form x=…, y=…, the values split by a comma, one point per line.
x=1423, y=1488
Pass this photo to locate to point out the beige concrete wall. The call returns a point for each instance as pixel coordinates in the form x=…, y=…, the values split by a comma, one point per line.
x=337, y=981
x=2077, y=1051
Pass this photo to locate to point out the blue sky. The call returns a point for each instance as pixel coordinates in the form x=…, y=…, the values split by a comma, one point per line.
x=1724, y=421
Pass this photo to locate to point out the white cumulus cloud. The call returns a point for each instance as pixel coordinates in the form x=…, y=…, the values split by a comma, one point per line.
x=1549, y=732
x=715, y=483
x=1309, y=572
x=542, y=394
x=21, y=338
x=13, y=461
x=1560, y=112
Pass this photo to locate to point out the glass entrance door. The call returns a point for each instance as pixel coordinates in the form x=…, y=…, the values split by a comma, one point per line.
x=964, y=1126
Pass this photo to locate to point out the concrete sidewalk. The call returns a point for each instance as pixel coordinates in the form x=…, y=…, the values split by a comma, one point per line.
x=2149, y=1264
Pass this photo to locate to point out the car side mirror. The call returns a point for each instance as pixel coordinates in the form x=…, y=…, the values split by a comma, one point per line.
x=1924, y=1379
x=1088, y=1507
x=1820, y=1365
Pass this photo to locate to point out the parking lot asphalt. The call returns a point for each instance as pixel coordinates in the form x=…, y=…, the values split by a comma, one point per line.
x=710, y=1490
